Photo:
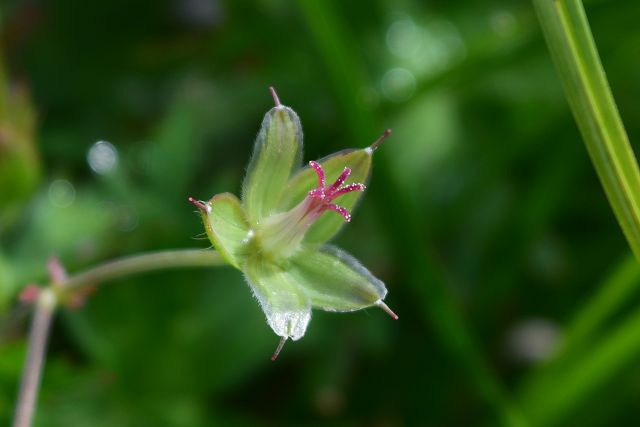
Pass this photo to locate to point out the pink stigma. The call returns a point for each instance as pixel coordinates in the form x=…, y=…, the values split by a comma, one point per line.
x=326, y=194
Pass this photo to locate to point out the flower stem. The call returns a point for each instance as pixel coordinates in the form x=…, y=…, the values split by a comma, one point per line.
x=49, y=297
x=36, y=348
x=151, y=261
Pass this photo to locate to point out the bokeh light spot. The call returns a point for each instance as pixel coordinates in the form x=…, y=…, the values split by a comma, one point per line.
x=398, y=84
x=404, y=38
x=503, y=23
x=61, y=193
x=532, y=340
x=102, y=157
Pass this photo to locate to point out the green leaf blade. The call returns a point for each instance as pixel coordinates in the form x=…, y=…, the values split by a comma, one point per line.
x=574, y=53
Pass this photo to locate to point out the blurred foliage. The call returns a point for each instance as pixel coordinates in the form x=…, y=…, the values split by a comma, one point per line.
x=484, y=215
x=19, y=168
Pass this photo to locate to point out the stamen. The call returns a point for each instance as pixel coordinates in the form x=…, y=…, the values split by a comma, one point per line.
x=349, y=188
x=320, y=172
x=342, y=211
x=198, y=204
x=327, y=194
x=381, y=138
x=344, y=175
x=279, y=348
x=274, y=95
x=386, y=308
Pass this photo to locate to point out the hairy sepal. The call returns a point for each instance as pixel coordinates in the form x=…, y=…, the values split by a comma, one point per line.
x=333, y=280
x=284, y=303
x=228, y=228
x=277, y=152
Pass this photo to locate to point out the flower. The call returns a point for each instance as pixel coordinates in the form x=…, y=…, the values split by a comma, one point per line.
x=277, y=234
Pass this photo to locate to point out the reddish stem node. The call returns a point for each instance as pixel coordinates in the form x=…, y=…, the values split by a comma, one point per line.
x=274, y=95
x=198, y=204
x=29, y=294
x=381, y=138
x=57, y=273
x=386, y=308
x=279, y=348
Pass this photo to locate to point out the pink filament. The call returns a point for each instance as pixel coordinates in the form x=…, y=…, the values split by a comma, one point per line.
x=344, y=175
x=349, y=188
x=342, y=211
x=327, y=194
x=321, y=178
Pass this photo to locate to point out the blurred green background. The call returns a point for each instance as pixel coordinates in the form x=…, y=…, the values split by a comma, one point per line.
x=516, y=291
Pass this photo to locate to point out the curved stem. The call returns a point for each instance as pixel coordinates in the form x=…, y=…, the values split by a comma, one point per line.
x=48, y=299
x=151, y=261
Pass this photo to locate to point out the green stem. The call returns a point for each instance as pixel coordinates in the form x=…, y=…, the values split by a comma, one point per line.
x=566, y=30
x=135, y=264
x=49, y=297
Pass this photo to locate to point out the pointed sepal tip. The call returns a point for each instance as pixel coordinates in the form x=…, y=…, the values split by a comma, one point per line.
x=380, y=139
x=278, y=349
x=386, y=308
x=274, y=95
x=198, y=204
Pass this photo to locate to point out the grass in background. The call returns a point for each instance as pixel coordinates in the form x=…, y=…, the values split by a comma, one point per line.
x=490, y=213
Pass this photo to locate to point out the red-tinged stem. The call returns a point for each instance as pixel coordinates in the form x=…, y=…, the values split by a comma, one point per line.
x=386, y=308
x=381, y=138
x=198, y=204
x=46, y=300
x=57, y=273
x=279, y=348
x=274, y=95
x=32, y=371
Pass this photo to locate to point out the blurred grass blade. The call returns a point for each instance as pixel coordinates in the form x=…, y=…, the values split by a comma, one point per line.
x=581, y=332
x=573, y=50
x=581, y=379
x=608, y=299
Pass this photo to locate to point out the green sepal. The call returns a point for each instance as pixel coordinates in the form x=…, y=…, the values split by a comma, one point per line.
x=228, y=228
x=277, y=152
x=283, y=301
x=305, y=180
x=333, y=280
